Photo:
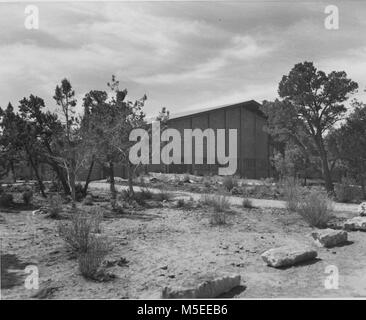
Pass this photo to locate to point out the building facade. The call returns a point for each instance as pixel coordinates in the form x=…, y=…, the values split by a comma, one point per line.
x=252, y=140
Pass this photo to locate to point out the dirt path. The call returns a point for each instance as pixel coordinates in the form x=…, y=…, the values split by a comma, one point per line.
x=236, y=201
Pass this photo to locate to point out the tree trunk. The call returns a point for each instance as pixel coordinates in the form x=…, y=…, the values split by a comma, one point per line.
x=88, y=178
x=14, y=177
x=112, y=185
x=40, y=182
x=325, y=167
x=363, y=188
x=61, y=177
x=130, y=179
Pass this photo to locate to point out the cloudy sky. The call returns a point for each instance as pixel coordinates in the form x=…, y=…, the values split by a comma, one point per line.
x=183, y=55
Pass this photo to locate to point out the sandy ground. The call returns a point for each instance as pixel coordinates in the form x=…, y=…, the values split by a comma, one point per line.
x=168, y=246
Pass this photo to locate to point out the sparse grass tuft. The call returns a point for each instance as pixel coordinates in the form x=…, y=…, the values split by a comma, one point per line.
x=55, y=206
x=218, y=218
x=6, y=200
x=162, y=195
x=219, y=203
x=91, y=260
x=79, y=232
x=247, y=203
x=27, y=197
x=230, y=182
x=292, y=193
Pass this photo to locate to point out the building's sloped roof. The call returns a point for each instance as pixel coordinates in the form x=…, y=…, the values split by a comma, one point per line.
x=251, y=105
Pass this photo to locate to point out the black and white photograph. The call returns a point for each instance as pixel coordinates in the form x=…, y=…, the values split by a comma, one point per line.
x=182, y=150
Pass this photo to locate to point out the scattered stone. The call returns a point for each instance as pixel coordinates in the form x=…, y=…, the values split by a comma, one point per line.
x=329, y=238
x=354, y=224
x=164, y=268
x=362, y=209
x=288, y=255
x=211, y=288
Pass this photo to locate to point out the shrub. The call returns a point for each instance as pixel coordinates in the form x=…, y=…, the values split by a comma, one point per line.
x=316, y=209
x=55, y=206
x=80, y=233
x=6, y=200
x=79, y=192
x=27, y=197
x=181, y=203
x=146, y=193
x=229, y=182
x=345, y=191
x=219, y=203
x=218, y=218
x=91, y=260
x=247, y=203
x=162, y=195
x=292, y=193
x=88, y=201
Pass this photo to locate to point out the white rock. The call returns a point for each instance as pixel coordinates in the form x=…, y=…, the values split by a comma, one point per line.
x=362, y=209
x=288, y=255
x=354, y=224
x=329, y=238
x=210, y=288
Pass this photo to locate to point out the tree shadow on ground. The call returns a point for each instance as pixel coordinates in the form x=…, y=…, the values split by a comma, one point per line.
x=9, y=278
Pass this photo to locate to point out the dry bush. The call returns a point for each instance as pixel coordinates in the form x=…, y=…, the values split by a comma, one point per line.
x=218, y=218
x=146, y=193
x=230, y=182
x=6, y=200
x=27, y=197
x=292, y=193
x=80, y=231
x=247, y=203
x=219, y=203
x=55, y=206
x=346, y=191
x=316, y=209
x=91, y=260
x=187, y=204
x=162, y=195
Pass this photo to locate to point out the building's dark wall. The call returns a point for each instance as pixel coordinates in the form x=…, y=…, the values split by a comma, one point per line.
x=253, y=142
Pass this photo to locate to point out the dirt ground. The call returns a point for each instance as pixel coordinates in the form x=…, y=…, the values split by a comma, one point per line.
x=166, y=246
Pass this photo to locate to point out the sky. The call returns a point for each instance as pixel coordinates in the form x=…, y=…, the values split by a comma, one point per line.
x=182, y=55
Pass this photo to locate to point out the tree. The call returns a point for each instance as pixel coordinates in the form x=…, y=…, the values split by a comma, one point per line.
x=348, y=144
x=316, y=103
x=72, y=152
x=100, y=116
x=131, y=117
x=10, y=154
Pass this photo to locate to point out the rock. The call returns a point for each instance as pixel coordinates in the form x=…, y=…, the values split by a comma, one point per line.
x=211, y=288
x=329, y=238
x=354, y=224
x=362, y=209
x=288, y=255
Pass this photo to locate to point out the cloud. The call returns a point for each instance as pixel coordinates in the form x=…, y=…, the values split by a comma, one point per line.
x=181, y=54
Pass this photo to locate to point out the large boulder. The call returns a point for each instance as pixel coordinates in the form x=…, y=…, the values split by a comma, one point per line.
x=362, y=209
x=288, y=255
x=329, y=238
x=355, y=224
x=210, y=288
